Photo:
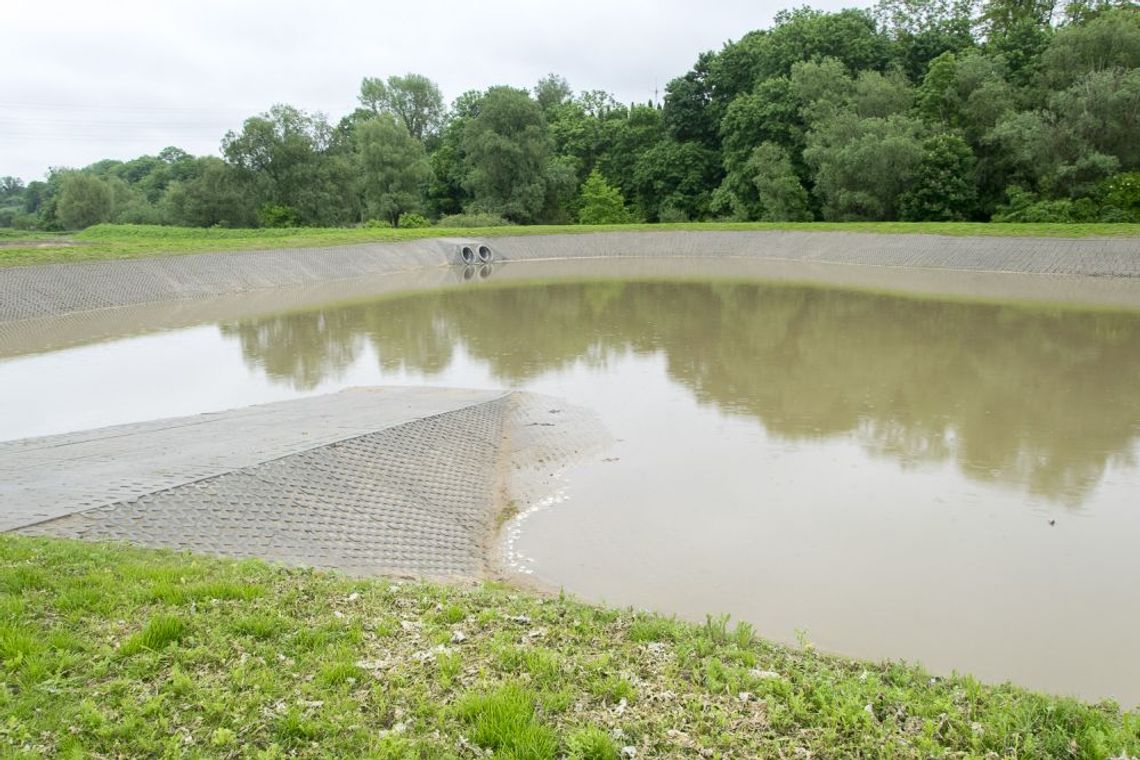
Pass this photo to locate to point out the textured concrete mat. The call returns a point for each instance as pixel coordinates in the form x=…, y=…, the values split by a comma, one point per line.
x=29, y=292
x=39, y=291
x=42, y=478
x=419, y=497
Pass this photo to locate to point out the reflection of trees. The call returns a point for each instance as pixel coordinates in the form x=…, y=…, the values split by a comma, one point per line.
x=1043, y=399
x=304, y=349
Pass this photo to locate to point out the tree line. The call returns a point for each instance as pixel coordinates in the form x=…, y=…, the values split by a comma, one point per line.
x=916, y=110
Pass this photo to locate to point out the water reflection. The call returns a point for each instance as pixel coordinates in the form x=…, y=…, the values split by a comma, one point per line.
x=1042, y=400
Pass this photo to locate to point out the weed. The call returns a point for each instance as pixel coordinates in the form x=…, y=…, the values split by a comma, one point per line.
x=653, y=629
x=504, y=721
x=591, y=744
x=716, y=628
x=160, y=631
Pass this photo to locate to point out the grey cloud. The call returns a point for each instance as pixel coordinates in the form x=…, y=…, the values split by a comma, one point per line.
x=119, y=80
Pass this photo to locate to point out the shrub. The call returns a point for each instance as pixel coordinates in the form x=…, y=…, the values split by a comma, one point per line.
x=414, y=221
x=1025, y=207
x=472, y=220
x=601, y=203
x=277, y=215
x=1121, y=195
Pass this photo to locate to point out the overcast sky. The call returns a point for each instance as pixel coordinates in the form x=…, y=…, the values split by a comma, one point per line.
x=90, y=80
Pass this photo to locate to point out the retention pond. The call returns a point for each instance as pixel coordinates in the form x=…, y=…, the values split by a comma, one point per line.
x=945, y=481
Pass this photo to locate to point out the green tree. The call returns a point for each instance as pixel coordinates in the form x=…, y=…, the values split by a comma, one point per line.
x=213, y=197
x=967, y=91
x=413, y=99
x=1109, y=41
x=552, y=91
x=881, y=95
x=823, y=88
x=690, y=112
x=84, y=200
x=627, y=140
x=292, y=159
x=10, y=187
x=393, y=168
x=770, y=113
x=674, y=180
x=803, y=34
x=781, y=195
x=862, y=166
x=943, y=189
x=601, y=203
x=506, y=148
x=447, y=193
x=922, y=30
x=1019, y=31
x=1101, y=113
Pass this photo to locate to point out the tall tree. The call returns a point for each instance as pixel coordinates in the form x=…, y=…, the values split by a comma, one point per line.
x=862, y=165
x=213, y=197
x=944, y=187
x=84, y=200
x=290, y=161
x=601, y=203
x=413, y=98
x=506, y=148
x=393, y=168
x=552, y=91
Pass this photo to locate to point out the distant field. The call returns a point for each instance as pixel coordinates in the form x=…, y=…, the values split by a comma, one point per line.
x=107, y=241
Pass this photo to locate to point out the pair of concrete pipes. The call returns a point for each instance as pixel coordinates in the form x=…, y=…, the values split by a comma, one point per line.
x=471, y=254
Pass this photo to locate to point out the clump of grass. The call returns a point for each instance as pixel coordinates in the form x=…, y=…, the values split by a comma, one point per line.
x=261, y=626
x=337, y=673
x=716, y=628
x=159, y=632
x=591, y=744
x=17, y=643
x=504, y=721
x=647, y=629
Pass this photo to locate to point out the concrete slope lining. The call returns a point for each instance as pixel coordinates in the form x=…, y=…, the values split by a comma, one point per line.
x=44, y=478
x=417, y=498
x=408, y=500
x=40, y=291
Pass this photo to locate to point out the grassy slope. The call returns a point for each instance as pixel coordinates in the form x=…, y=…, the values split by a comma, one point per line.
x=122, y=652
x=131, y=241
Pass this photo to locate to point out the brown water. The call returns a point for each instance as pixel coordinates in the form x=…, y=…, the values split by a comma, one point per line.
x=952, y=483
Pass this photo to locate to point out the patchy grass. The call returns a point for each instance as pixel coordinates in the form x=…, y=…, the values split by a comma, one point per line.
x=108, y=651
x=121, y=241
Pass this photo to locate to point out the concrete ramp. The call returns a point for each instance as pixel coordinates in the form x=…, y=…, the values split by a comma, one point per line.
x=396, y=481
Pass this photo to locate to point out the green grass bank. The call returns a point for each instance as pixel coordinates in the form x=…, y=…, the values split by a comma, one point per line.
x=109, y=241
x=109, y=651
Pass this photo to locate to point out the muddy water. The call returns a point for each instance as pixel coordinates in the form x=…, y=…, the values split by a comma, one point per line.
x=951, y=483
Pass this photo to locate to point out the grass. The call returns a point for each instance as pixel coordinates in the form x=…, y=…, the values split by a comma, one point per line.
x=109, y=651
x=108, y=241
